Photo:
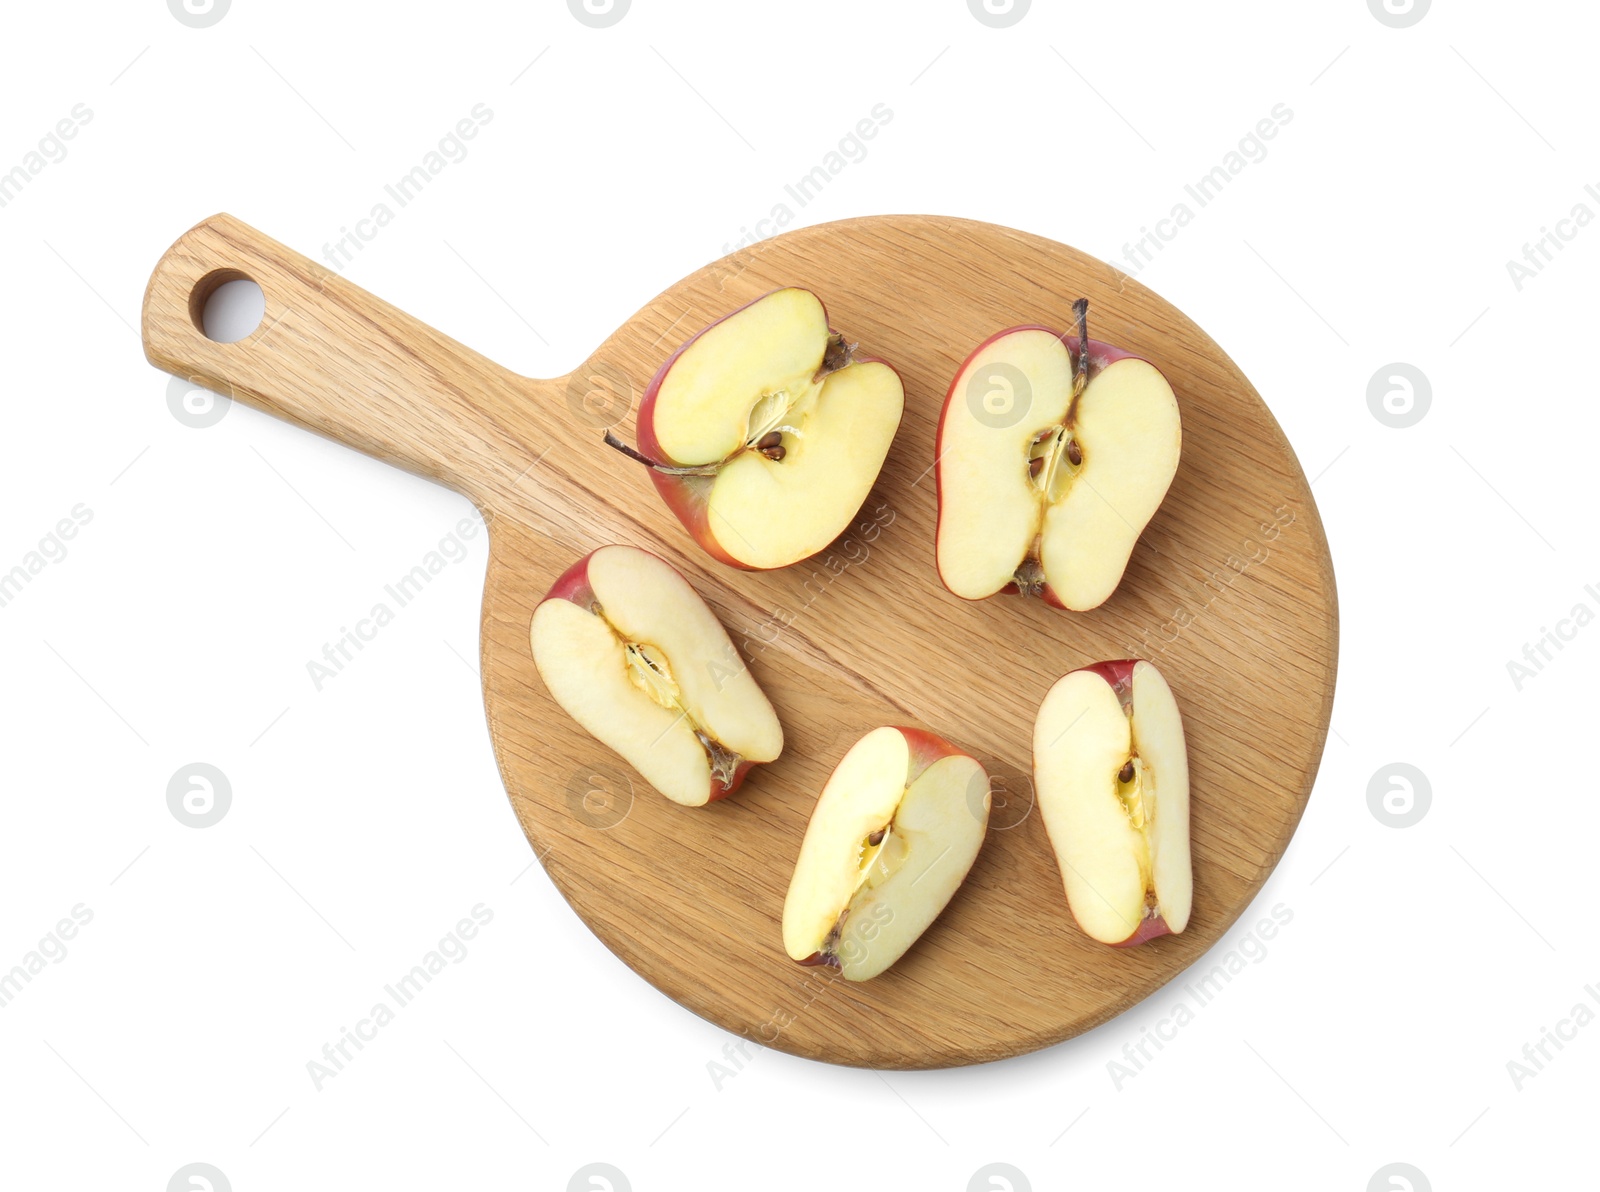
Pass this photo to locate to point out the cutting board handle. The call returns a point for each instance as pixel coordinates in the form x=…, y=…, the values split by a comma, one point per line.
x=333, y=358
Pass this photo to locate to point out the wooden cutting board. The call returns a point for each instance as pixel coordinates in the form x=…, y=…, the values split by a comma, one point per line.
x=1230, y=592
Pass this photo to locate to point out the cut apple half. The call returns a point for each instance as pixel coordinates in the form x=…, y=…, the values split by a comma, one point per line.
x=1112, y=776
x=765, y=432
x=892, y=837
x=1051, y=462
x=634, y=655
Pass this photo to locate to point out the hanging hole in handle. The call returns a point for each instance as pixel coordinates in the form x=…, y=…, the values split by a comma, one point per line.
x=226, y=305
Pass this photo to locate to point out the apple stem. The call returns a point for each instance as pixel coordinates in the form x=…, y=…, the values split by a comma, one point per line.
x=1080, y=311
x=666, y=469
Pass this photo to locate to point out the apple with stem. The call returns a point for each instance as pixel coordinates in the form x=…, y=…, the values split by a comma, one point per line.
x=765, y=432
x=634, y=655
x=892, y=837
x=1051, y=462
x=1112, y=778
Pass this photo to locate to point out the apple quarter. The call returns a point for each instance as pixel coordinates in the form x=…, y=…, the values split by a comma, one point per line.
x=632, y=653
x=895, y=830
x=1111, y=774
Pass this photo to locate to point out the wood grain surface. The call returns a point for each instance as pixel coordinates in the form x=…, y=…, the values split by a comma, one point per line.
x=1230, y=591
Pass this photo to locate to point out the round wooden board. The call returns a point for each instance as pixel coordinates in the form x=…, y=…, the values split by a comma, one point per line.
x=691, y=899
x=1230, y=591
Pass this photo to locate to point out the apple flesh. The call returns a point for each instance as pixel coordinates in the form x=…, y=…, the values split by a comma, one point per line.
x=634, y=655
x=765, y=432
x=1051, y=462
x=892, y=837
x=1112, y=777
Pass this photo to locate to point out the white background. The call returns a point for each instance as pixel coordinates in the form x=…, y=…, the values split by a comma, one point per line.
x=368, y=817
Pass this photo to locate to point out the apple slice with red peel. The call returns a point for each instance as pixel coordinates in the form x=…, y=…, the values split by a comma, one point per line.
x=635, y=656
x=1112, y=777
x=892, y=837
x=765, y=432
x=1051, y=462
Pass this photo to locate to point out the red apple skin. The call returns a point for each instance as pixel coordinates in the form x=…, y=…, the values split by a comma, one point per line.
x=573, y=585
x=1048, y=595
x=689, y=496
x=723, y=790
x=1119, y=674
x=926, y=748
x=1149, y=929
x=1100, y=355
